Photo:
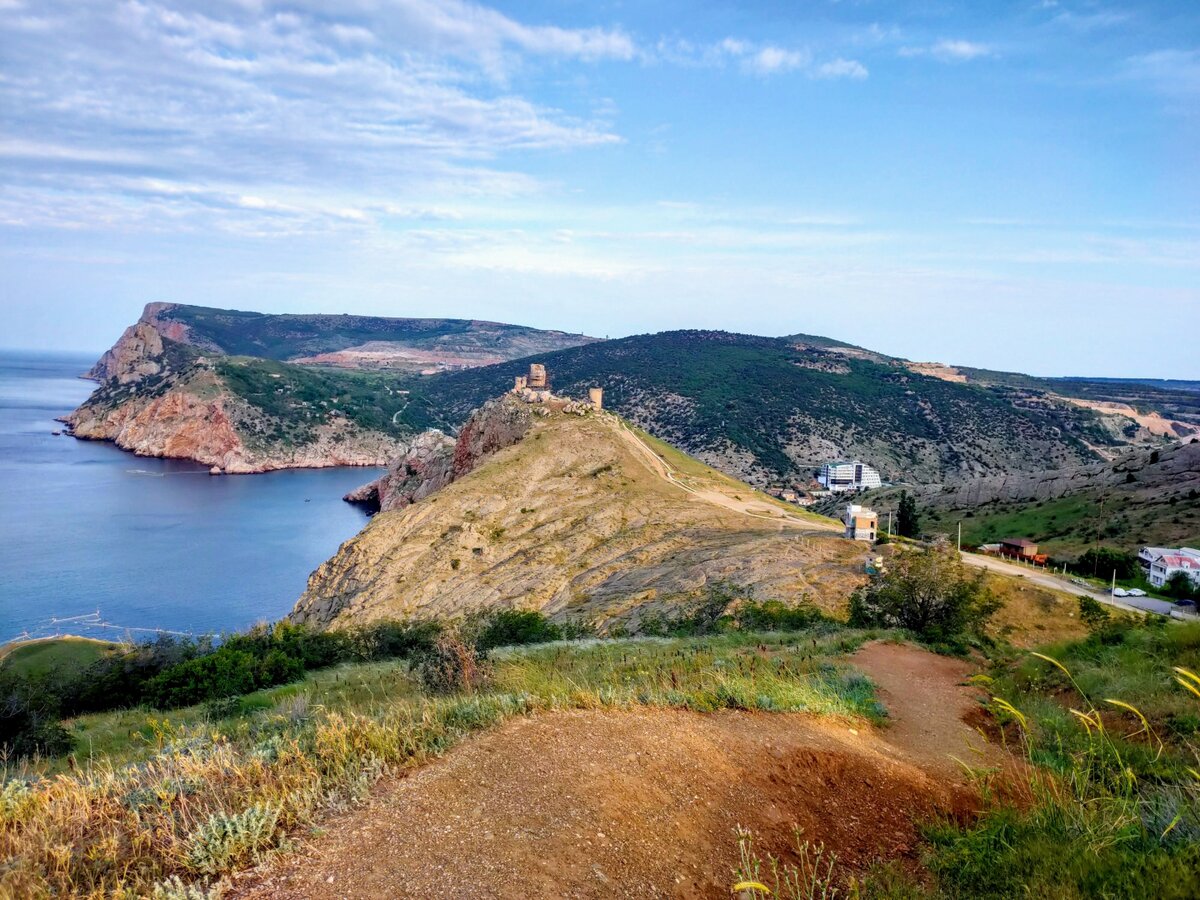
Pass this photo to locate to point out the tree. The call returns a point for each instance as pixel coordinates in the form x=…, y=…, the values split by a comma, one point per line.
x=1103, y=561
x=1181, y=587
x=908, y=520
x=928, y=591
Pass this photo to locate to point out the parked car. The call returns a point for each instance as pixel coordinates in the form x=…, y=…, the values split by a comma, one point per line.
x=1120, y=592
x=1136, y=592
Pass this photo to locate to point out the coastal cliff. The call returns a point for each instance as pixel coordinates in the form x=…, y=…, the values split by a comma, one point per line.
x=250, y=392
x=194, y=416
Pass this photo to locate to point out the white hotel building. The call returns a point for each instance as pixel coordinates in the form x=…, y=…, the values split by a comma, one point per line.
x=848, y=475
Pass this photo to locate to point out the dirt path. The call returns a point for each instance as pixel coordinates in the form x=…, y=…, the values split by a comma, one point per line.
x=646, y=802
x=758, y=509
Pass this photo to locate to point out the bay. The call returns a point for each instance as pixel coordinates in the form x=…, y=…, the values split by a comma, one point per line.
x=99, y=542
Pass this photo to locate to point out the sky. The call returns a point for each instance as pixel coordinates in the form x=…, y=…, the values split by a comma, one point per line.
x=1012, y=185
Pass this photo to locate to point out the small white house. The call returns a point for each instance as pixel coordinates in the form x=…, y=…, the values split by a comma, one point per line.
x=848, y=475
x=1147, y=556
x=862, y=524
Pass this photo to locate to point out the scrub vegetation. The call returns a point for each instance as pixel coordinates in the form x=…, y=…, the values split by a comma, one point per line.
x=194, y=793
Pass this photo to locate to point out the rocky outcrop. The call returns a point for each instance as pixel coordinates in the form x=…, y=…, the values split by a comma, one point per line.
x=137, y=354
x=432, y=460
x=424, y=466
x=495, y=425
x=1175, y=467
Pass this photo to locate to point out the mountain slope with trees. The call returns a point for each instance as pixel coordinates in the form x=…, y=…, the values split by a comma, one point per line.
x=770, y=408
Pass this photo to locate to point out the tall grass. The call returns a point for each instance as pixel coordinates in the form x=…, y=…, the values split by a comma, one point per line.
x=1112, y=805
x=212, y=796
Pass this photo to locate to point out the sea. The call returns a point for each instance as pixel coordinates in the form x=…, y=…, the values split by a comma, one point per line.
x=98, y=542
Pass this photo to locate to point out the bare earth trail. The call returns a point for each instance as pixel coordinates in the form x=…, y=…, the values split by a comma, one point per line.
x=759, y=509
x=646, y=802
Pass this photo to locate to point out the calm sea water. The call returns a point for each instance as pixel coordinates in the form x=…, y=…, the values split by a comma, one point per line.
x=149, y=543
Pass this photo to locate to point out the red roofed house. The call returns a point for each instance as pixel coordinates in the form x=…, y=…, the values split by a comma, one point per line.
x=1165, y=567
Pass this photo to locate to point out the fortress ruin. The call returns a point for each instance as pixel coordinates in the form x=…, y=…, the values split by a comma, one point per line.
x=535, y=388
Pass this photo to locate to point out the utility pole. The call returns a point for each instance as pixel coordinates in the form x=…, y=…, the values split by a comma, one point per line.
x=889, y=523
x=1113, y=592
x=960, y=537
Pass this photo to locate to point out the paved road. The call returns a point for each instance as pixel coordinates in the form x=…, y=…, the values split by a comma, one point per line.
x=1058, y=583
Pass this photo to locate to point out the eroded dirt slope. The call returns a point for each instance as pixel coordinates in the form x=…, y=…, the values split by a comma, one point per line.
x=646, y=803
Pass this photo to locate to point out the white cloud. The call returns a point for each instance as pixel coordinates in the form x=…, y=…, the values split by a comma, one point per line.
x=841, y=68
x=1090, y=21
x=1175, y=73
x=757, y=59
x=771, y=59
x=948, y=50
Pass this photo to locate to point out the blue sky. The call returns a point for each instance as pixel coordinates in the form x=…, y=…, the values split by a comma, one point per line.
x=1010, y=185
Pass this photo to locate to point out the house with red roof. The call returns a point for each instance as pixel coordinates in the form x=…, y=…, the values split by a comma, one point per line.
x=1184, y=560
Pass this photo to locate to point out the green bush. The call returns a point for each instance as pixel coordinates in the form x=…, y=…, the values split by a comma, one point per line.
x=929, y=592
x=508, y=627
x=774, y=615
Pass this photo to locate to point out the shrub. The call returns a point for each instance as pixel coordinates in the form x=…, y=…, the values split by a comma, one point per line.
x=450, y=665
x=29, y=712
x=774, y=615
x=1181, y=587
x=1094, y=616
x=508, y=627
x=225, y=841
x=929, y=592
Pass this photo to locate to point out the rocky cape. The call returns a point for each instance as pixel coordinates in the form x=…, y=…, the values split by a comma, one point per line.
x=571, y=519
x=197, y=419
x=249, y=392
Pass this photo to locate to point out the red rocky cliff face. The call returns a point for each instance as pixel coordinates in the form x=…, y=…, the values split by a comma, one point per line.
x=433, y=460
x=495, y=425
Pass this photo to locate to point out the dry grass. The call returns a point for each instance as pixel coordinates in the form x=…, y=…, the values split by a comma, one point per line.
x=210, y=800
x=1033, y=616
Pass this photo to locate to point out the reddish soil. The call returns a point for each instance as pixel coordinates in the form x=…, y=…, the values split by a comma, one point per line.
x=646, y=803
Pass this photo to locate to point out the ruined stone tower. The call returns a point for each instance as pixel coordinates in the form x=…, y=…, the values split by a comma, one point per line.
x=596, y=398
x=537, y=377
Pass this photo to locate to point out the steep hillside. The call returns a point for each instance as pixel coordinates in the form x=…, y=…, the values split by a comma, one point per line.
x=369, y=342
x=1144, y=497
x=241, y=414
x=579, y=519
x=175, y=385
x=766, y=408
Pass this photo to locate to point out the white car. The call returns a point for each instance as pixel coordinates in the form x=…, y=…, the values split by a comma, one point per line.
x=1136, y=592
x=1120, y=592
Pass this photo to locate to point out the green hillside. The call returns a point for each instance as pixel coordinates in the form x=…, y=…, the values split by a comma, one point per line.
x=764, y=408
x=283, y=337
